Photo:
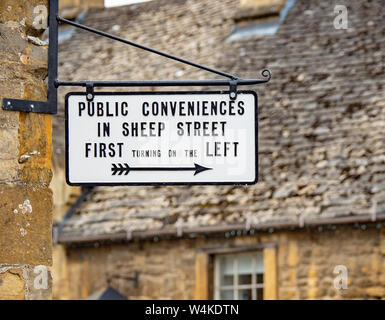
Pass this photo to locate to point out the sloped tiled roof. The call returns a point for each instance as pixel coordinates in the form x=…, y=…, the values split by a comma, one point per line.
x=321, y=117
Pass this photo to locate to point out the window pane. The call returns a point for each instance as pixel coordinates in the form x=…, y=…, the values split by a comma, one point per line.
x=259, y=293
x=226, y=295
x=259, y=262
x=245, y=264
x=244, y=279
x=259, y=278
x=226, y=272
x=245, y=269
x=244, y=294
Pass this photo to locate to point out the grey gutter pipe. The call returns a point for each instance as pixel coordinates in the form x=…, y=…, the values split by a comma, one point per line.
x=122, y=236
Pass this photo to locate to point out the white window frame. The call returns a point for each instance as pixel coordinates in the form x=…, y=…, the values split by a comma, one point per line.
x=236, y=287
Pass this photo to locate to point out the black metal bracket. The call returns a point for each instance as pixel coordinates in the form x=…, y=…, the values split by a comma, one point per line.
x=90, y=91
x=233, y=89
x=50, y=106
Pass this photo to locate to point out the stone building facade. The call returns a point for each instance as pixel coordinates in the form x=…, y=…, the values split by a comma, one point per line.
x=298, y=264
x=313, y=226
x=25, y=156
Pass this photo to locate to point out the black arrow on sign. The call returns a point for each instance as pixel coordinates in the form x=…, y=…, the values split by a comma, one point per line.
x=119, y=169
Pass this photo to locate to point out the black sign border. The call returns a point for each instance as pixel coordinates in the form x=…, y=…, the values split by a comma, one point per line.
x=102, y=93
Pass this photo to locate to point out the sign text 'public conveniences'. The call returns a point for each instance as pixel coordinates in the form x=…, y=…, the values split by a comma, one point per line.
x=161, y=138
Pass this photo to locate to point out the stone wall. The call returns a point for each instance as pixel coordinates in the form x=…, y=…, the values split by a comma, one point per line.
x=25, y=155
x=305, y=264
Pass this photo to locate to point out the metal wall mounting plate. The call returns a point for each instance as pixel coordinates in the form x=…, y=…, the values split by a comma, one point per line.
x=50, y=106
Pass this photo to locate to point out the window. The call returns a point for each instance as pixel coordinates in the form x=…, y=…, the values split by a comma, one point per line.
x=239, y=276
x=259, y=18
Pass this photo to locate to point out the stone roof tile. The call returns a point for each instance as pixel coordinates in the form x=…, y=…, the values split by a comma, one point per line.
x=321, y=118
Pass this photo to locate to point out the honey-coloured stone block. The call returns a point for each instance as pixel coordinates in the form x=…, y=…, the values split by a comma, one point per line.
x=12, y=284
x=25, y=225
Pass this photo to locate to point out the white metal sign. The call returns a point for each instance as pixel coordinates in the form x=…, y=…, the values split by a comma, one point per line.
x=163, y=138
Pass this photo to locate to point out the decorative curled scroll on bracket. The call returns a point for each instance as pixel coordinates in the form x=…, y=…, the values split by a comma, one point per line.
x=266, y=74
